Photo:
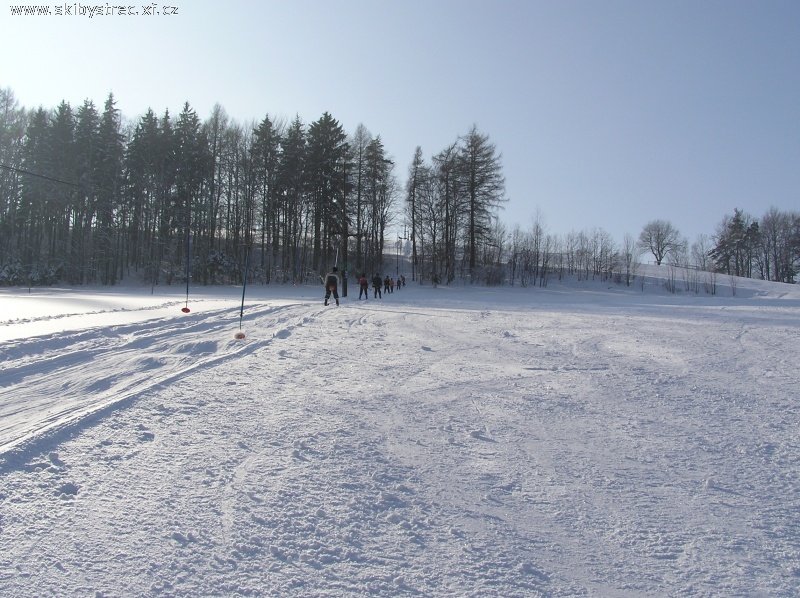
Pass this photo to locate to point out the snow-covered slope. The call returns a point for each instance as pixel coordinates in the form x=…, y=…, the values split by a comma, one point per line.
x=582, y=439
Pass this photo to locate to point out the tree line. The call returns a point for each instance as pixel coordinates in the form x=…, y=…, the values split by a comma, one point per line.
x=767, y=248
x=86, y=198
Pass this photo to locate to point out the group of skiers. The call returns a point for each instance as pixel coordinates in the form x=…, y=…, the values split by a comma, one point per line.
x=388, y=284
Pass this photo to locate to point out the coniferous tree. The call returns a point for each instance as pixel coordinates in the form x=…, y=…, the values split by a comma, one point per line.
x=736, y=243
x=484, y=186
x=141, y=189
x=265, y=152
x=60, y=164
x=292, y=190
x=190, y=172
x=325, y=171
x=416, y=179
x=110, y=152
x=13, y=121
x=241, y=190
x=166, y=187
x=27, y=227
x=208, y=205
x=85, y=208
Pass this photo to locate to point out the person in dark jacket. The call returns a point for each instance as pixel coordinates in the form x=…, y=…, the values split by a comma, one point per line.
x=332, y=285
x=377, y=281
x=363, y=287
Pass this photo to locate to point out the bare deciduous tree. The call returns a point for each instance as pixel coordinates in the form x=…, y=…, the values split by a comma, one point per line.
x=660, y=238
x=629, y=258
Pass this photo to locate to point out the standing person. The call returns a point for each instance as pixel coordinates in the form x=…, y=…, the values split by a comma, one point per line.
x=363, y=287
x=376, y=286
x=386, y=284
x=332, y=285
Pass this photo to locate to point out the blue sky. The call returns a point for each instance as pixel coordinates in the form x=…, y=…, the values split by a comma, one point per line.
x=608, y=114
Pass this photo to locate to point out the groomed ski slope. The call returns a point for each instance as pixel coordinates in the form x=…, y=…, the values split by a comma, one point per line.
x=577, y=440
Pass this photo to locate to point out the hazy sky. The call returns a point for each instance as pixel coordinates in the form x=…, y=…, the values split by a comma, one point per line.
x=607, y=113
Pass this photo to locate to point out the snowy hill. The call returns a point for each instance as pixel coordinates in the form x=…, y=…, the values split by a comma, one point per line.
x=583, y=439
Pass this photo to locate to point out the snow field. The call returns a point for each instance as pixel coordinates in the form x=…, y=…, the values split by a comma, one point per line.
x=439, y=442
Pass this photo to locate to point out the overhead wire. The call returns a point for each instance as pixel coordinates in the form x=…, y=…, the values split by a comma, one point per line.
x=36, y=174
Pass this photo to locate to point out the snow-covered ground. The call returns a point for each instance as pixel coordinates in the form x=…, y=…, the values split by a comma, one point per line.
x=583, y=439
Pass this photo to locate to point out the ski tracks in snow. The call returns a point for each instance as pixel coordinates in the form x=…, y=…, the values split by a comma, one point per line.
x=52, y=385
x=387, y=448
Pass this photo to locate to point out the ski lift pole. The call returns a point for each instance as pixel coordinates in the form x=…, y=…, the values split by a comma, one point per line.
x=188, y=263
x=186, y=309
x=240, y=335
x=244, y=286
x=344, y=272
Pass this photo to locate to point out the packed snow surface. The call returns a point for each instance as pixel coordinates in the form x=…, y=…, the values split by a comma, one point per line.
x=583, y=439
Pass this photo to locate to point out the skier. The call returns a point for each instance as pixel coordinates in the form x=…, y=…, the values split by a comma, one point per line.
x=332, y=285
x=363, y=287
x=377, y=281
